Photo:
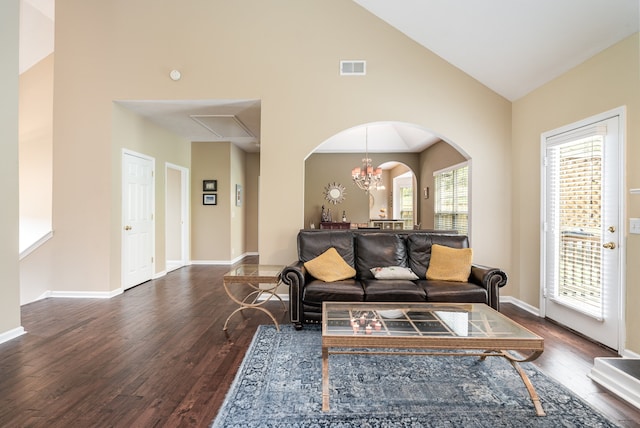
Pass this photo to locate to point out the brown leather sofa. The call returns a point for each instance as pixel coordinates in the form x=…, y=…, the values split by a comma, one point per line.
x=366, y=249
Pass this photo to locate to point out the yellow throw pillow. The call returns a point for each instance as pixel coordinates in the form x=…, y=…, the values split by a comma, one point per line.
x=449, y=264
x=329, y=267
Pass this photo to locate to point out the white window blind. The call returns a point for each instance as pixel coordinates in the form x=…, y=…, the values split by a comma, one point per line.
x=574, y=220
x=452, y=199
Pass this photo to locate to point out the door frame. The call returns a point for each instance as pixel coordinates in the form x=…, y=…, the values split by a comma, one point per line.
x=127, y=152
x=185, y=243
x=620, y=112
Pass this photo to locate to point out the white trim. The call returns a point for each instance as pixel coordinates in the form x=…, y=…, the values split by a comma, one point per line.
x=451, y=168
x=223, y=262
x=283, y=297
x=211, y=262
x=630, y=354
x=615, y=380
x=12, y=334
x=86, y=294
x=158, y=275
x=80, y=294
x=521, y=304
x=185, y=210
x=31, y=248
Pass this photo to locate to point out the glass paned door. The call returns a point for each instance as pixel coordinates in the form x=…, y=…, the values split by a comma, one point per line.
x=581, y=200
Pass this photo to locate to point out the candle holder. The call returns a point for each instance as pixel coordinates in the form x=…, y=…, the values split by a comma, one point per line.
x=368, y=322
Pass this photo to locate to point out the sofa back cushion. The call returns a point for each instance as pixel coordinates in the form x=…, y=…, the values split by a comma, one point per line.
x=313, y=243
x=419, y=249
x=379, y=250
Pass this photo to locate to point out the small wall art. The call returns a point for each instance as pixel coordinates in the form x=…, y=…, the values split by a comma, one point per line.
x=209, y=185
x=210, y=199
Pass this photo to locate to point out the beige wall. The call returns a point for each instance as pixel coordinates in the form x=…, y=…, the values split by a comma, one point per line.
x=36, y=151
x=436, y=157
x=607, y=81
x=224, y=232
x=304, y=101
x=252, y=192
x=211, y=224
x=10, y=288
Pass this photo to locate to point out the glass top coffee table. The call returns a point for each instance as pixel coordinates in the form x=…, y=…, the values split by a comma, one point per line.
x=473, y=329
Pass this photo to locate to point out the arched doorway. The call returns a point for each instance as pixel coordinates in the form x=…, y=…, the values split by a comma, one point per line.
x=390, y=145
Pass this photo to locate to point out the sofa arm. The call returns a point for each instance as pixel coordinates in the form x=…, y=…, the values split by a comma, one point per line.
x=491, y=279
x=294, y=276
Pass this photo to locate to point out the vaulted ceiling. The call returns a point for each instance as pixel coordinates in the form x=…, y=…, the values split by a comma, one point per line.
x=512, y=47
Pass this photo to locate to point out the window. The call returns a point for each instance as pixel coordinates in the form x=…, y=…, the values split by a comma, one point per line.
x=574, y=215
x=452, y=199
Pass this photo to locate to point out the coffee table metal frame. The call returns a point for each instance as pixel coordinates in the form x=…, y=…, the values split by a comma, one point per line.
x=427, y=326
x=263, y=280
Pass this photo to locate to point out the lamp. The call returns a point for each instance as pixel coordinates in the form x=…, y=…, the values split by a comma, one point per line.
x=366, y=178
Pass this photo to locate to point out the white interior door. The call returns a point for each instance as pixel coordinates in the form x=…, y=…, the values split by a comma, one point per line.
x=581, y=229
x=137, y=219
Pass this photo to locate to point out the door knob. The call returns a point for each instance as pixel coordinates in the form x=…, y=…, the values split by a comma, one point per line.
x=609, y=245
x=127, y=228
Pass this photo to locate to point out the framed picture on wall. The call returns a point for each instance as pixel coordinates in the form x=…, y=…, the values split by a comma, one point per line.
x=211, y=199
x=209, y=185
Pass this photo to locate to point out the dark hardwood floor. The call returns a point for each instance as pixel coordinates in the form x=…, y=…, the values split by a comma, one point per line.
x=156, y=356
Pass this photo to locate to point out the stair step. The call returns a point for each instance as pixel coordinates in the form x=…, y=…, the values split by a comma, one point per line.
x=621, y=376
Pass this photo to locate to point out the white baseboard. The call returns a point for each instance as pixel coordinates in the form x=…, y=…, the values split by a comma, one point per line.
x=159, y=274
x=522, y=305
x=12, y=334
x=224, y=262
x=630, y=354
x=284, y=297
x=86, y=294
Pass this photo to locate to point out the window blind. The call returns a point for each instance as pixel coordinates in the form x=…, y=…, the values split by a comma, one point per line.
x=452, y=199
x=574, y=222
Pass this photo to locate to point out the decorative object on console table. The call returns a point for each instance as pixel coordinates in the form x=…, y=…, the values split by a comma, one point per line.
x=209, y=185
x=335, y=225
x=388, y=224
x=210, y=199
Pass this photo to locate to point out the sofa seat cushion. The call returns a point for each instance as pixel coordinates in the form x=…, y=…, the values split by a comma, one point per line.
x=349, y=290
x=455, y=292
x=392, y=290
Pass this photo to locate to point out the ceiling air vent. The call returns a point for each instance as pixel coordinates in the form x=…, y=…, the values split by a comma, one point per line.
x=353, y=68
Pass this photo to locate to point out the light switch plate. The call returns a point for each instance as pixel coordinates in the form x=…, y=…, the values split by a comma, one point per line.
x=634, y=225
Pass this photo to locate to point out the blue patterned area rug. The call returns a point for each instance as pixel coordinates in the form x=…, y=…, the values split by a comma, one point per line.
x=279, y=384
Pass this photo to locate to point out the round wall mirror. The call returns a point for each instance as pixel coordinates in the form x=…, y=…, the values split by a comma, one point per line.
x=334, y=193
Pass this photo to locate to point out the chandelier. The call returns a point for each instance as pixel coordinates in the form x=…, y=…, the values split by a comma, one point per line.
x=365, y=177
